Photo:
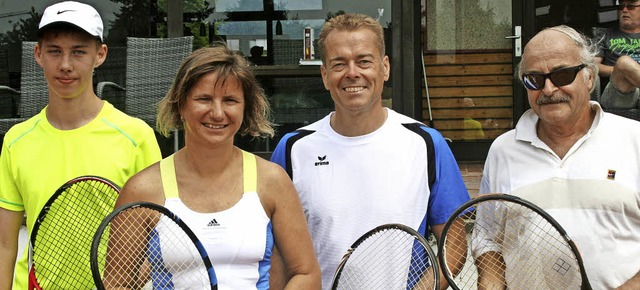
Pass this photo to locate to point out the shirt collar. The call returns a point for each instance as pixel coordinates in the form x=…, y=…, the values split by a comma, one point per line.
x=526, y=127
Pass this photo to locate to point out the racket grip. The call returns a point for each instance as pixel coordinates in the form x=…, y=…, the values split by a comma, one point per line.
x=33, y=283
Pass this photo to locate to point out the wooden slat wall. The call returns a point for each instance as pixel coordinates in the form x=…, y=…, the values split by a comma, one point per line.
x=485, y=78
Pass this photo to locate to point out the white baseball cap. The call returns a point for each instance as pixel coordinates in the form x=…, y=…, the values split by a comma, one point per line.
x=81, y=15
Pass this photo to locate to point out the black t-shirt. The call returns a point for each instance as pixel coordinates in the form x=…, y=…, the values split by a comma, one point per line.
x=616, y=43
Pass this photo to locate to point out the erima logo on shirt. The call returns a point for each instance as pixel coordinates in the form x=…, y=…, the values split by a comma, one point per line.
x=322, y=161
x=611, y=175
x=213, y=223
x=63, y=11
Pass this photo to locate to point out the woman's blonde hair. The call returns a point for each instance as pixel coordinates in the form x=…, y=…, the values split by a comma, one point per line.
x=219, y=59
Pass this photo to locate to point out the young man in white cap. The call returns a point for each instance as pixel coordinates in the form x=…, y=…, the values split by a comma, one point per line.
x=75, y=134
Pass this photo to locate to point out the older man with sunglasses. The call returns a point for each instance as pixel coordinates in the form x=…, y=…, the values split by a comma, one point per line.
x=619, y=59
x=568, y=156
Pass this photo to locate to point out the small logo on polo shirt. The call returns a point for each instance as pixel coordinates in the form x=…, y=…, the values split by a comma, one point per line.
x=611, y=175
x=63, y=11
x=322, y=160
x=213, y=223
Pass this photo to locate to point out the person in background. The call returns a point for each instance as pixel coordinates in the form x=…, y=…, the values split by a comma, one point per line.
x=472, y=127
x=619, y=57
x=364, y=165
x=572, y=159
x=256, y=55
x=75, y=134
x=252, y=201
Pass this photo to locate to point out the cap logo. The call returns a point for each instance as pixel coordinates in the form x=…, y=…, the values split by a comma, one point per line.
x=63, y=11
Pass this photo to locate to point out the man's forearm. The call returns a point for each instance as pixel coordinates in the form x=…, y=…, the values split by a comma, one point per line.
x=633, y=283
x=604, y=70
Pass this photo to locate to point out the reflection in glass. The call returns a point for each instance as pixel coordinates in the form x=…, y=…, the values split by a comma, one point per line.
x=468, y=67
x=242, y=28
x=298, y=5
x=238, y=5
x=468, y=24
x=293, y=29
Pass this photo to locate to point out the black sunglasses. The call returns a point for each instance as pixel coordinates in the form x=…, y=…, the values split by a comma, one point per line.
x=560, y=77
x=630, y=7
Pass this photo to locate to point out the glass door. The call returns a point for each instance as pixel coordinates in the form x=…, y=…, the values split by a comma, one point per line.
x=471, y=50
x=522, y=29
x=469, y=88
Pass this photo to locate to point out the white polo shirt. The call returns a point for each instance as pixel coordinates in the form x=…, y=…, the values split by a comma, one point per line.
x=593, y=192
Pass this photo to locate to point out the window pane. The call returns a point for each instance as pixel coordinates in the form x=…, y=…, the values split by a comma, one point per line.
x=462, y=25
x=294, y=29
x=238, y=5
x=242, y=28
x=298, y=5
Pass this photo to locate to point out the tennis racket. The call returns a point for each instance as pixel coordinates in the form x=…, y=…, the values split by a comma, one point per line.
x=508, y=243
x=390, y=256
x=60, y=241
x=143, y=245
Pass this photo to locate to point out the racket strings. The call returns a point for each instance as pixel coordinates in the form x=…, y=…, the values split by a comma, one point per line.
x=62, y=243
x=389, y=259
x=545, y=257
x=511, y=247
x=143, y=248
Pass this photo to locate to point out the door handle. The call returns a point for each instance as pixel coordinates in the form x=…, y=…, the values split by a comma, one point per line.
x=517, y=45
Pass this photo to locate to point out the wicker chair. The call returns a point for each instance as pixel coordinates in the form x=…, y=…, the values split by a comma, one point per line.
x=113, y=70
x=33, y=92
x=151, y=66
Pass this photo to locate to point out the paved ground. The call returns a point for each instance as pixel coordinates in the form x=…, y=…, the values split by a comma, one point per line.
x=471, y=173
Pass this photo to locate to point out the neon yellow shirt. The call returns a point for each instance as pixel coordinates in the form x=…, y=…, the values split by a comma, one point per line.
x=37, y=158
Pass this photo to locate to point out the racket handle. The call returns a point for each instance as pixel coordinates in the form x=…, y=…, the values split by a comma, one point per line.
x=33, y=283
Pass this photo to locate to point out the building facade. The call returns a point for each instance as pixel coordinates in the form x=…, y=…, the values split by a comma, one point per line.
x=453, y=61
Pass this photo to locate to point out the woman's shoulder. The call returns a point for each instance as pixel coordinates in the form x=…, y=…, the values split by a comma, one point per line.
x=269, y=171
x=145, y=185
x=273, y=181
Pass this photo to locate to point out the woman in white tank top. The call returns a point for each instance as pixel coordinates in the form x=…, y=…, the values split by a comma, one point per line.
x=239, y=205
